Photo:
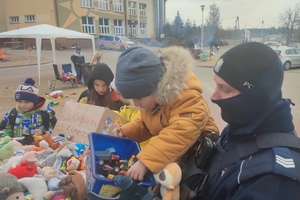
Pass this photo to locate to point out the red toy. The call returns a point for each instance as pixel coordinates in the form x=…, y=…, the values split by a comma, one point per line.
x=24, y=170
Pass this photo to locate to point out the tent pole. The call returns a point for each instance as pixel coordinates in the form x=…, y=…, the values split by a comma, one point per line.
x=38, y=52
x=52, y=40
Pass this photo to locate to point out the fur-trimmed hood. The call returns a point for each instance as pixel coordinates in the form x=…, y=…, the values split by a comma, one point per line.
x=179, y=63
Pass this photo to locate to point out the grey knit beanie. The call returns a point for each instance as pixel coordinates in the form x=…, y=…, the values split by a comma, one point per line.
x=138, y=73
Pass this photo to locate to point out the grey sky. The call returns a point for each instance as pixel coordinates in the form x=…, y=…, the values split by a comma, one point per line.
x=250, y=12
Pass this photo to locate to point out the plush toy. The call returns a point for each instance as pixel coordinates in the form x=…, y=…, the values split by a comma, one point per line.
x=169, y=179
x=51, y=176
x=28, y=157
x=36, y=187
x=10, y=188
x=74, y=186
x=59, y=197
x=47, y=137
x=24, y=170
x=19, y=147
x=52, y=144
x=73, y=163
x=61, y=156
x=81, y=149
x=6, y=149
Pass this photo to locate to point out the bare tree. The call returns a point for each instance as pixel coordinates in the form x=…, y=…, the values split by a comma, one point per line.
x=213, y=22
x=290, y=19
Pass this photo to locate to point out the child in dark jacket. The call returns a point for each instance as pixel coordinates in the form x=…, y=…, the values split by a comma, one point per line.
x=99, y=91
x=28, y=117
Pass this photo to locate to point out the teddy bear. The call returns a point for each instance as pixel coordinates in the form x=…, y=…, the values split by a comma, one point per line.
x=6, y=149
x=10, y=188
x=74, y=186
x=169, y=179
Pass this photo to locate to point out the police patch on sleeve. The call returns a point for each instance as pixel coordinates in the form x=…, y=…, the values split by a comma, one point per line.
x=218, y=65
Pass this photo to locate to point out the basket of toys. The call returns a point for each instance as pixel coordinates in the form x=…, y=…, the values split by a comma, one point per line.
x=110, y=156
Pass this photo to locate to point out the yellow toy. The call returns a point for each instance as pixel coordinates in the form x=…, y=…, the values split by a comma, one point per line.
x=169, y=179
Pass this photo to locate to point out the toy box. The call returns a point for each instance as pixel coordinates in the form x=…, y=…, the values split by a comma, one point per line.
x=125, y=148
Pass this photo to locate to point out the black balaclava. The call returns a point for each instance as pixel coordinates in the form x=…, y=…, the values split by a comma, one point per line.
x=256, y=71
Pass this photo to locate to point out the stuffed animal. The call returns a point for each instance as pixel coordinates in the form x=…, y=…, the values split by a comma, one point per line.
x=74, y=186
x=169, y=179
x=28, y=157
x=24, y=170
x=73, y=163
x=51, y=176
x=61, y=156
x=19, y=147
x=36, y=187
x=6, y=149
x=10, y=188
x=47, y=137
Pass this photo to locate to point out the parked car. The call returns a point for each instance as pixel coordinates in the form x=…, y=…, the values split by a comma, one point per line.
x=273, y=44
x=289, y=56
x=296, y=45
x=115, y=42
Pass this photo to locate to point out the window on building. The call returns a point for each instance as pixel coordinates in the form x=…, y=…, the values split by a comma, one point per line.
x=118, y=5
x=133, y=31
x=143, y=12
x=14, y=19
x=104, y=26
x=29, y=18
x=143, y=28
x=118, y=25
x=86, y=3
x=103, y=4
x=88, y=25
x=132, y=8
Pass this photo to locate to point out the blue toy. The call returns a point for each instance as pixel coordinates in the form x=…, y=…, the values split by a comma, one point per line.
x=81, y=149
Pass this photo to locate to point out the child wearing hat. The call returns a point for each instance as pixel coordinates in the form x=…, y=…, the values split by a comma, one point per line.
x=28, y=117
x=128, y=111
x=172, y=107
x=99, y=92
x=78, y=58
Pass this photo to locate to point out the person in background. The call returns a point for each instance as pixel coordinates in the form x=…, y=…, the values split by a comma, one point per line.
x=174, y=113
x=78, y=58
x=28, y=117
x=99, y=92
x=257, y=156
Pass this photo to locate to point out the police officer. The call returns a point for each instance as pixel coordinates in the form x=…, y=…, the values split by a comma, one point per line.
x=257, y=155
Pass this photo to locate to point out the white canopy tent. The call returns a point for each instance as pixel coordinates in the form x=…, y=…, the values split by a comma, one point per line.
x=45, y=31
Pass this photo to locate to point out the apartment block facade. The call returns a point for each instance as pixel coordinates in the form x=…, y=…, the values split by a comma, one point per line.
x=133, y=18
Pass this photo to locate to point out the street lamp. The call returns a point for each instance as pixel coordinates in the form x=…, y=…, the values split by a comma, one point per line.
x=262, y=30
x=202, y=8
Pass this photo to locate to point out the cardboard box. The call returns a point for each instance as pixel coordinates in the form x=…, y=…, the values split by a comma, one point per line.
x=79, y=120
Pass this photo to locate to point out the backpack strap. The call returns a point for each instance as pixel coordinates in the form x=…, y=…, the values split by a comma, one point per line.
x=11, y=119
x=260, y=142
x=46, y=119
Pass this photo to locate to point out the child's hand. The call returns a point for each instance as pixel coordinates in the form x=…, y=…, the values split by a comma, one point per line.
x=38, y=132
x=137, y=171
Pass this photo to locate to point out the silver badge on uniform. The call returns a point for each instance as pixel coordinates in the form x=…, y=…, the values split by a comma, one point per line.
x=219, y=65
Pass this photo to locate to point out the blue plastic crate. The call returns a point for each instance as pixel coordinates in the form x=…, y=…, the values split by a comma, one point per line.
x=125, y=148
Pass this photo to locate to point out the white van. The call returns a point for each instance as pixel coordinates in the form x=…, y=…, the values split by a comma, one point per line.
x=115, y=42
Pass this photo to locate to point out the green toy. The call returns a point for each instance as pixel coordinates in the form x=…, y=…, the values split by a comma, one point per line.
x=6, y=149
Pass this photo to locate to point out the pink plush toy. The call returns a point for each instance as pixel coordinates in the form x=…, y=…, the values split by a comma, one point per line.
x=59, y=197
